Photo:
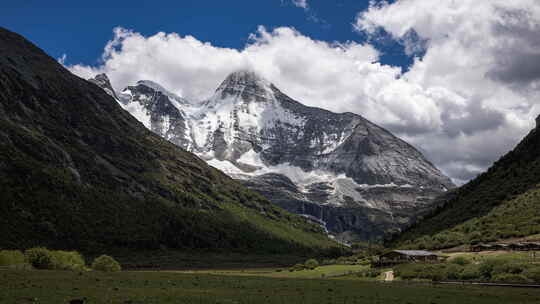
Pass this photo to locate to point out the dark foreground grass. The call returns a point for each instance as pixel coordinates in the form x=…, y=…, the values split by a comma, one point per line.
x=155, y=287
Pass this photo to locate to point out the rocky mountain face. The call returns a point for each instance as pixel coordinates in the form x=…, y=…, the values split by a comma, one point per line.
x=103, y=82
x=158, y=109
x=78, y=172
x=339, y=169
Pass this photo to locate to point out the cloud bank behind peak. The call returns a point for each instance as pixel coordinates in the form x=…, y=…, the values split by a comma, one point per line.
x=469, y=99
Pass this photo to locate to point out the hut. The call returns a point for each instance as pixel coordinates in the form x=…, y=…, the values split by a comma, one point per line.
x=517, y=247
x=533, y=246
x=407, y=256
x=529, y=246
x=481, y=247
x=501, y=247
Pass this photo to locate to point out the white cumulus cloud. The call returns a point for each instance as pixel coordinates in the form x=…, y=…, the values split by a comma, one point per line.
x=464, y=103
x=300, y=3
x=487, y=53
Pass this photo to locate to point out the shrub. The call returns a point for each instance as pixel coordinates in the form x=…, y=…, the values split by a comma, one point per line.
x=533, y=274
x=311, y=264
x=364, y=262
x=297, y=267
x=470, y=272
x=373, y=272
x=406, y=271
x=453, y=271
x=106, y=263
x=510, y=278
x=410, y=271
x=40, y=258
x=68, y=260
x=487, y=266
x=437, y=276
x=508, y=267
x=369, y=273
x=435, y=272
x=11, y=257
x=461, y=261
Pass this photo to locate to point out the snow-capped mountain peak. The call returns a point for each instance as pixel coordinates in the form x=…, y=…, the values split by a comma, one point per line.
x=157, y=108
x=244, y=78
x=244, y=85
x=250, y=129
x=158, y=88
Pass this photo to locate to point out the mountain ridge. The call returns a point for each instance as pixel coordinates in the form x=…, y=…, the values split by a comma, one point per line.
x=250, y=128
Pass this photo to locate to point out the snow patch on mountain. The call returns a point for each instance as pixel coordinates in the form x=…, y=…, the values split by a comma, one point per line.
x=158, y=88
x=251, y=158
x=329, y=142
x=140, y=112
x=226, y=166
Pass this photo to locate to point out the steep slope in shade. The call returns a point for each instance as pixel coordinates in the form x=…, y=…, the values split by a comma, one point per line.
x=343, y=171
x=514, y=174
x=77, y=171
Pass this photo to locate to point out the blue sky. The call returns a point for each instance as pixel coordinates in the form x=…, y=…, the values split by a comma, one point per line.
x=80, y=29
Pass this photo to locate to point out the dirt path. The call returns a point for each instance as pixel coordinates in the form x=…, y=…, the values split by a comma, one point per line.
x=389, y=276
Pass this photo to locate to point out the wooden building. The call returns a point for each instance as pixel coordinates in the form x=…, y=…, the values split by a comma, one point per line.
x=481, y=247
x=529, y=246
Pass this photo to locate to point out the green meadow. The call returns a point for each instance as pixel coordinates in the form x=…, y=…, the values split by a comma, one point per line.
x=327, y=271
x=51, y=286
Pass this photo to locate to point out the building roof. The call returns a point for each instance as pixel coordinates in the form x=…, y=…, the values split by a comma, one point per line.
x=415, y=252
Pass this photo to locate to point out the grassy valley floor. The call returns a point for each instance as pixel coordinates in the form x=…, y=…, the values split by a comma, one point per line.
x=167, y=287
x=327, y=271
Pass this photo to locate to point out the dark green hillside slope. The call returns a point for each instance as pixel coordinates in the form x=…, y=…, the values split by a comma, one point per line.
x=518, y=217
x=514, y=174
x=77, y=171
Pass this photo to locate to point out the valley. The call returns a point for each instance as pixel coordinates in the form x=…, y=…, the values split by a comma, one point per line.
x=218, y=154
x=164, y=287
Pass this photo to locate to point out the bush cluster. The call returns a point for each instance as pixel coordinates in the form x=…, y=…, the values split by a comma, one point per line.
x=311, y=264
x=11, y=258
x=297, y=267
x=461, y=261
x=369, y=273
x=40, y=258
x=359, y=258
x=106, y=263
x=462, y=269
x=43, y=258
